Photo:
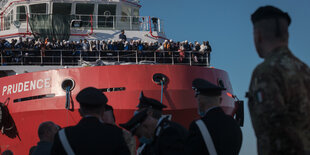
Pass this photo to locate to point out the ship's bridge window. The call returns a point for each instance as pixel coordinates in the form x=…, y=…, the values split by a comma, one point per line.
x=106, y=13
x=126, y=12
x=83, y=12
x=135, y=12
x=38, y=8
x=21, y=13
x=8, y=20
x=62, y=8
x=135, y=20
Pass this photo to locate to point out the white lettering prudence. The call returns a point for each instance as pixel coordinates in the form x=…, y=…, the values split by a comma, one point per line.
x=26, y=86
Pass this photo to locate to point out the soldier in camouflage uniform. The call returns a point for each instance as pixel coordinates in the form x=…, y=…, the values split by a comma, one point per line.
x=279, y=93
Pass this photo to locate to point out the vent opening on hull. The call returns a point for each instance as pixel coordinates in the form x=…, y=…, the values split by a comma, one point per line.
x=113, y=89
x=34, y=98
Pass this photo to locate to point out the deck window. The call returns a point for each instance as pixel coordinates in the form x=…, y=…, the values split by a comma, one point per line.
x=8, y=20
x=62, y=8
x=126, y=12
x=21, y=13
x=135, y=14
x=106, y=15
x=84, y=9
x=38, y=8
x=83, y=12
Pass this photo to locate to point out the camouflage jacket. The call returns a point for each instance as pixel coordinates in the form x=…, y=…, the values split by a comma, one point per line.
x=279, y=104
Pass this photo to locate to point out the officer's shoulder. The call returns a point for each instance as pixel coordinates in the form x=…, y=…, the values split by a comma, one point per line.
x=172, y=128
x=193, y=125
x=111, y=126
x=69, y=128
x=175, y=125
x=169, y=125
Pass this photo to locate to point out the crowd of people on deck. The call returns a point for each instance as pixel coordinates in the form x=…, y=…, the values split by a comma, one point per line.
x=83, y=47
x=97, y=132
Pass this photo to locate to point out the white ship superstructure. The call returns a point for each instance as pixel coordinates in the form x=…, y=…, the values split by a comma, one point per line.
x=87, y=19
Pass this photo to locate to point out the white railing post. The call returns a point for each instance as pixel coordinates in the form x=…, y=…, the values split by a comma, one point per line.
x=117, y=56
x=147, y=24
x=61, y=58
x=172, y=57
x=1, y=59
x=41, y=58
x=158, y=25
x=190, y=58
x=154, y=56
x=136, y=57
x=130, y=20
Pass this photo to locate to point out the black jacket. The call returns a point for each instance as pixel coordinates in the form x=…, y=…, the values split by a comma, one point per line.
x=90, y=136
x=169, y=139
x=224, y=130
x=123, y=37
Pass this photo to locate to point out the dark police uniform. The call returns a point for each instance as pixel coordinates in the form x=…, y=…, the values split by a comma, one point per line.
x=224, y=130
x=146, y=102
x=169, y=137
x=279, y=98
x=90, y=135
x=123, y=36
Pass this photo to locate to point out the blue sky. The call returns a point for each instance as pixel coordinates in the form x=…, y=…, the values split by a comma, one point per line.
x=226, y=24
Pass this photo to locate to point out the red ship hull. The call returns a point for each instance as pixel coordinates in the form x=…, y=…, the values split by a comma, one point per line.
x=28, y=109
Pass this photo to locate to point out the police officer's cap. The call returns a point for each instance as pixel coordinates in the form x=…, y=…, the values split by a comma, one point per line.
x=91, y=96
x=267, y=12
x=146, y=102
x=135, y=121
x=207, y=88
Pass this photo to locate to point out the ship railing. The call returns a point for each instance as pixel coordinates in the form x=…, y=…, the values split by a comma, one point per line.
x=138, y=23
x=86, y=22
x=78, y=57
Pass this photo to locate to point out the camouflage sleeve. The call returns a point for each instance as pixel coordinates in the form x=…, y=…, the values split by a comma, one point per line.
x=269, y=115
x=266, y=102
